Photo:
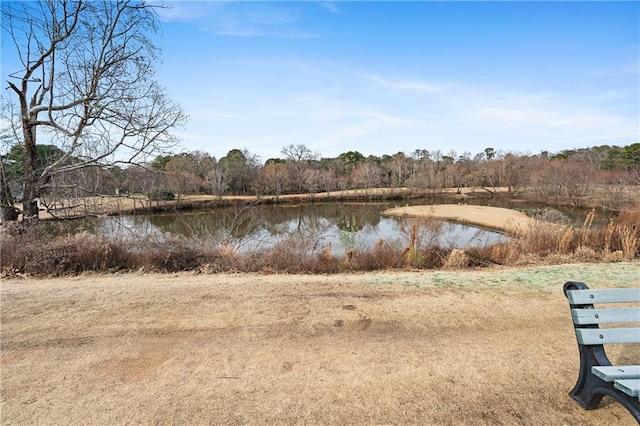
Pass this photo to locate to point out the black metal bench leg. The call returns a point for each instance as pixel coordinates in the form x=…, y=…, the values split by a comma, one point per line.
x=590, y=389
x=587, y=391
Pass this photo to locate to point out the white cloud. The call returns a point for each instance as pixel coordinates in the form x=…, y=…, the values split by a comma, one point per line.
x=274, y=15
x=188, y=11
x=237, y=18
x=330, y=6
x=402, y=85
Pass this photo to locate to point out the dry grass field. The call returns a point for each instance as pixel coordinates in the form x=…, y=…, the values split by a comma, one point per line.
x=494, y=346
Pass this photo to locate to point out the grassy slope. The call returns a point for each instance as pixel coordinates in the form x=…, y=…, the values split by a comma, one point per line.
x=473, y=347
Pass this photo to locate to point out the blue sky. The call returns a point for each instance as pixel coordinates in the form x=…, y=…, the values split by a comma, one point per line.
x=383, y=77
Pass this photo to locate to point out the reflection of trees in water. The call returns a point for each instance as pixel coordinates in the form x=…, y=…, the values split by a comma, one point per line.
x=232, y=227
x=252, y=227
x=236, y=226
x=353, y=215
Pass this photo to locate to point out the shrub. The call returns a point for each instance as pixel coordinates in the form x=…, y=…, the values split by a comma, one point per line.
x=554, y=216
x=162, y=196
x=295, y=254
x=456, y=259
x=30, y=253
x=384, y=255
x=167, y=253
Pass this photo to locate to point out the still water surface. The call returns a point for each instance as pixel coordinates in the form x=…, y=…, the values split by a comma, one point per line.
x=356, y=225
x=339, y=225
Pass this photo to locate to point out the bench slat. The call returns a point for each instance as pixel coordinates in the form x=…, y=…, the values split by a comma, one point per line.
x=603, y=316
x=617, y=372
x=613, y=295
x=629, y=386
x=603, y=336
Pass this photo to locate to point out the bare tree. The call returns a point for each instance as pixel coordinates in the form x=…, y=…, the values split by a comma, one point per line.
x=328, y=180
x=272, y=178
x=367, y=175
x=564, y=181
x=86, y=86
x=298, y=158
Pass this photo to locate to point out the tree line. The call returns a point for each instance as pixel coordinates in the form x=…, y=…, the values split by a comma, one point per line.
x=563, y=178
x=567, y=177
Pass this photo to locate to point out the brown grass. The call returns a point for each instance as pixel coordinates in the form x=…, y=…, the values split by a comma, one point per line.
x=501, y=219
x=543, y=242
x=467, y=348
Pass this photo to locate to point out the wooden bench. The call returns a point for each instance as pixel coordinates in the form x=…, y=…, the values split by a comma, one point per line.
x=597, y=376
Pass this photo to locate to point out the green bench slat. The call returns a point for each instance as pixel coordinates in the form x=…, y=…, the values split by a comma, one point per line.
x=614, y=295
x=602, y=336
x=616, y=372
x=603, y=316
x=629, y=386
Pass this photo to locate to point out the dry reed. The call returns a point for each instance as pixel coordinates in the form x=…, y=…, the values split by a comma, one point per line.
x=30, y=251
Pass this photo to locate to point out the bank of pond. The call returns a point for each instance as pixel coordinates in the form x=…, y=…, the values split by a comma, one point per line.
x=343, y=226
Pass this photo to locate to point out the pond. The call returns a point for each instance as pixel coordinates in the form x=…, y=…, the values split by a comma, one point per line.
x=342, y=226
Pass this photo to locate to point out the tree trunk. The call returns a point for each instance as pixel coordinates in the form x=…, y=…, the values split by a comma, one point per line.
x=31, y=192
x=7, y=210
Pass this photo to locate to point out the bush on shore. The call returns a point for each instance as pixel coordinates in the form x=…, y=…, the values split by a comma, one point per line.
x=28, y=250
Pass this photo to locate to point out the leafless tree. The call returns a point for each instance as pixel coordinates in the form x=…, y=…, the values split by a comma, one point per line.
x=328, y=179
x=297, y=159
x=272, y=177
x=85, y=85
x=564, y=181
x=367, y=175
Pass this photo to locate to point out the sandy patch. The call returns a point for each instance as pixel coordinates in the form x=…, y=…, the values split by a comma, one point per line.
x=498, y=218
x=455, y=348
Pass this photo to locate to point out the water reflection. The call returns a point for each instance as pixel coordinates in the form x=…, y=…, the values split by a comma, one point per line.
x=332, y=224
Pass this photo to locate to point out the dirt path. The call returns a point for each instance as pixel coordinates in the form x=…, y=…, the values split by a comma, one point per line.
x=473, y=347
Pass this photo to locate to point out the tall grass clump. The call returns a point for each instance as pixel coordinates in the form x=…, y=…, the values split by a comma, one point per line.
x=296, y=254
x=418, y=248
x=28, y=250
x=544, y=242
x=167, y=253
x=423, y=243
x=384, y=255
x=623, y=234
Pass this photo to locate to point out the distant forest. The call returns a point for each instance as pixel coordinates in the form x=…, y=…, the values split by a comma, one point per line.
x=567, y=177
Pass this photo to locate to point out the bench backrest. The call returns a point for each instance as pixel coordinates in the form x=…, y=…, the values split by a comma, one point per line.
x=586, y=317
